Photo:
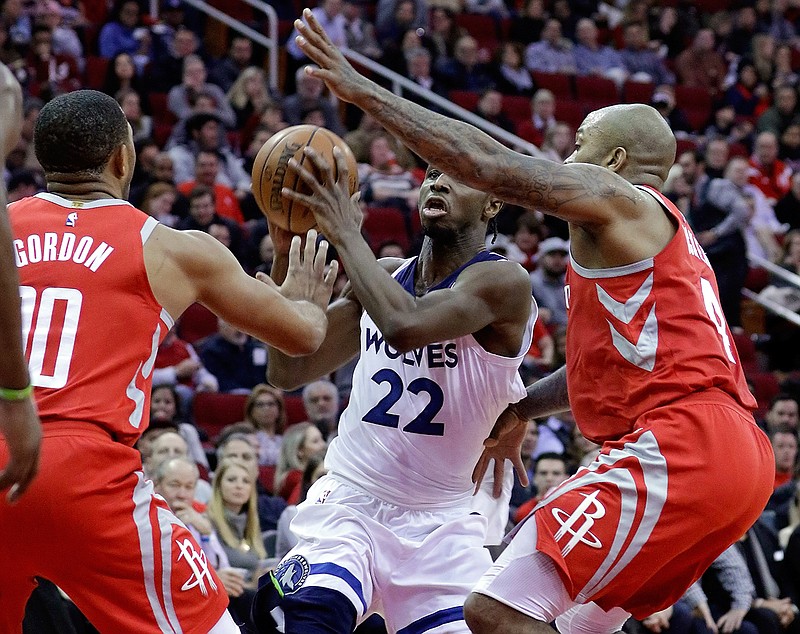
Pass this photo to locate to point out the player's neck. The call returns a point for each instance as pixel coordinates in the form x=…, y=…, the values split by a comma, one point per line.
x=438, y=259
x=74, y=187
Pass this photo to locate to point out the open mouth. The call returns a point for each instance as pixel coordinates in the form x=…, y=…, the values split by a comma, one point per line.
x=434, y=208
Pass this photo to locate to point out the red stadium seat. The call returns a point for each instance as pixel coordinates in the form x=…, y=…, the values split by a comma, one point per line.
x=637, y=91
x=212, y=412
x=596, y=92
x=570, y=111
x=560, y=85
x=747, y=353
x=695, y=102
x=465, y=98
x=266, y=475
x=295, y=410
x=95, y=72
x=386, y=223
x=196, y=323
x=482, y=27
x=517, y=108
x=765, y=386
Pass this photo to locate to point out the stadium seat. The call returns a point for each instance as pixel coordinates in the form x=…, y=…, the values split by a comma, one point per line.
x=212, y=412
x=482, y=27
x=266, y=475
x=295, y=410
x=465, y=98
x=747, y=353
x=596, y=92
x=695, y=103
x=637, y=91
x=560, y=85
x=570, y=111
x=95, y=71
x=765, y=386
x=386, y=223
x=517, y=108
x=196, y=323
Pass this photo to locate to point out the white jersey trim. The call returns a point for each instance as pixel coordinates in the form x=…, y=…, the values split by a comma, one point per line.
x=79, y=204
x=616, y=271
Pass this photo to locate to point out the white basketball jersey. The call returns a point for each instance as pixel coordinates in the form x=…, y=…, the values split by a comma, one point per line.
x=415, y=424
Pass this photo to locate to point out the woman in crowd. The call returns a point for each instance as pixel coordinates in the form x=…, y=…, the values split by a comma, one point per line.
x=300, y=443
x=265, y=410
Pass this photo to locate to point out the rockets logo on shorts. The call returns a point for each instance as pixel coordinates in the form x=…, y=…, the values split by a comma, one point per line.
x=292, y=573
x=199, y=565
x=579, y=523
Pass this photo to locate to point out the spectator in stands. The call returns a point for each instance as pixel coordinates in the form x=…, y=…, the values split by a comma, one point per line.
x=309, y=96
x=763, y=231
x=384, y=182
x=203, y=214
x=783, y=72
x=465, y=71
x=593, y=58
x=787, y=209
x=249, y=95
x=642, y=63
x=160, y=445
x=418, y=65
x=228, y=69
x=523, y=246
x=767, y=172
x=205, y=132
x=65, y=40
x=285, y=539
x=790, y=146
x=715, y=157
x=490, y=107
x=558, y=142
x=321, y=402
x=494, y=8
x=670, y=31
x=549, y=472
x=23, y=183
x=748, y=96
x=782, y=114
x=726, y=125
x=718, y=213
x=763, y=53
x=301, y=441
x=548, y=280
x=121, y=74
x=543, y=108
x=234, y=512
x=158, y=201
x=553, y=53
x=329, y=14
x=360, y=140
x=16, y=22
x=700, y=65
x=390, y=249
x=124, y=33
x=179, y=366
x=395, y=17
x=238, y=442
x=206, y=174
x=784, y=445
x=175, y=481
x=509, y=73
x=783, y=412
x=359, y=32
x=48, y=74
x=266, y=254
x=664, y=101
x=166, y=412
x=266, y=411
x=131, y=104
x=170, y=20
x=193, y=82
x=237, y=360
x=526, y=27
x=444, y=32
x=521, y=494
x=168, y=70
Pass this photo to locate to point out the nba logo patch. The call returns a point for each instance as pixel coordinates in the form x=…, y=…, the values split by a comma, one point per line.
x=72, y=219
x=292, y=573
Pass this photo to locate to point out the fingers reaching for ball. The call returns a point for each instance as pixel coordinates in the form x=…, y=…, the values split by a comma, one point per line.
x=308, y=278
x=335, y=209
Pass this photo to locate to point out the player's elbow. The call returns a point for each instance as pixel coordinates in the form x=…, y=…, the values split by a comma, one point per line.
x=400, y=337
x=282, y=378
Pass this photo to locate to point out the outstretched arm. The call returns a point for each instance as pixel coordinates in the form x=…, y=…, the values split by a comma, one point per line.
x=19, y=423
x=189, y=266
x=580, y=193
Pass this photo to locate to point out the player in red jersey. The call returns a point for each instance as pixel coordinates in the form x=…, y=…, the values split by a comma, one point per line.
x=101, y=283
x=19, y=424
x=652, y=372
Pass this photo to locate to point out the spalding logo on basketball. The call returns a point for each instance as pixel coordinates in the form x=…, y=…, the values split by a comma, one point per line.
x=271, y=172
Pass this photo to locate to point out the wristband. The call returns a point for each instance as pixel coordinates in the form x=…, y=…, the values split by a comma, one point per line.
x=10, y=394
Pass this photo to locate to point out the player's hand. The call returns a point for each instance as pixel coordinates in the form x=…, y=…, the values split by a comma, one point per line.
x=343, y=80
x=308, y=278
x=337, y=213
x=731, y=621
x=232, y=580
x=504, y=443
x=19, y=424
x=658, y=622
x=281, y=238
x=11, y=107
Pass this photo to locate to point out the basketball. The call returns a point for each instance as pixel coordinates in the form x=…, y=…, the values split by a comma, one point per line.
x=271, y=172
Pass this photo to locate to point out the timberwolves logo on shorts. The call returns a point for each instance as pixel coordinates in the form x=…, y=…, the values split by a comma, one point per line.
x=292, y=573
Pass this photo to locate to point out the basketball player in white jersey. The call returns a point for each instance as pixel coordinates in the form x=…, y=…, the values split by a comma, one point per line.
x=390, y=529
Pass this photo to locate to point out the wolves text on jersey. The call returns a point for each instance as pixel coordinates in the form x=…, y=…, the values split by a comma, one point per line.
x=54, y=247
x=434, y=355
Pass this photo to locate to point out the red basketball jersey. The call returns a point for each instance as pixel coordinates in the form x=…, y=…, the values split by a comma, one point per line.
x=646, y=334
x=90, y=323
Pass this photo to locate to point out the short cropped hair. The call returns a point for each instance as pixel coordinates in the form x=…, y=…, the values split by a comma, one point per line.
x=76, y=133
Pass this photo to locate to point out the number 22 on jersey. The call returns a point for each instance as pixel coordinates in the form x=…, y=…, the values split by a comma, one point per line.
x=49, y=350
x=423, y=422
